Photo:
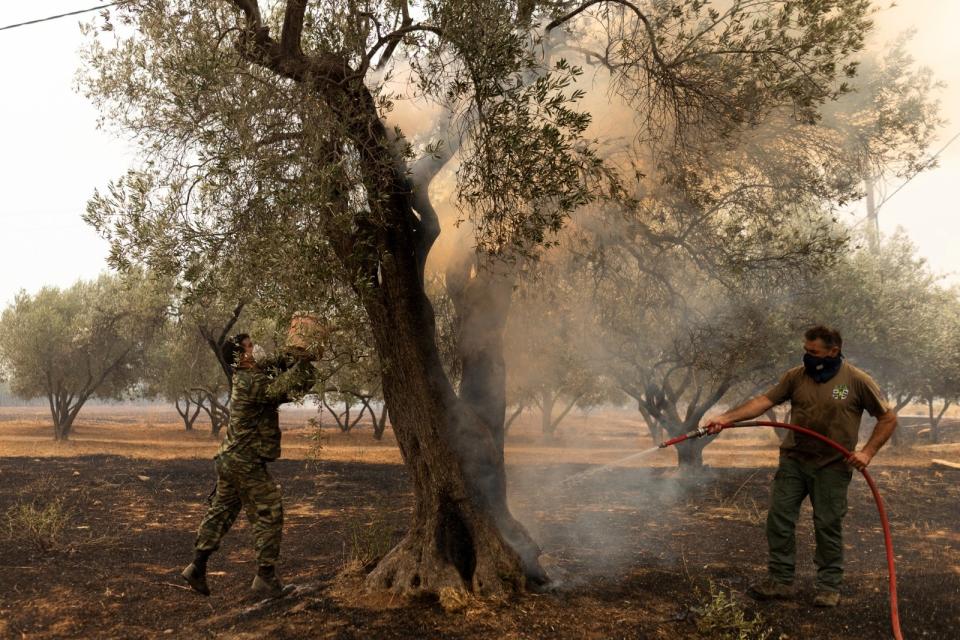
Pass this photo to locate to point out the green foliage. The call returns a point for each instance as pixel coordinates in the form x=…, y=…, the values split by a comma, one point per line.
x=892, y=115
x=249, y=173
x=180, y=364
x=69, y=345
x=693, y=69
x=899, y=321
x=673, y=337
x=721, y=617
x=316, y=438
x=549, y=363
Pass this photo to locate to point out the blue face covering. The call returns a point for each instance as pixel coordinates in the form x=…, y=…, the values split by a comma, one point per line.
x=822, y=369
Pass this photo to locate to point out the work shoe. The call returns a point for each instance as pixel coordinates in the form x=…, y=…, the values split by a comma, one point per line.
x=196, y=578
x=824, y=598
x=770, y=589
x=266, y=584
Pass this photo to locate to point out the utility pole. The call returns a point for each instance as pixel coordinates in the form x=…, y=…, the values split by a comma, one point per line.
x=873, y=221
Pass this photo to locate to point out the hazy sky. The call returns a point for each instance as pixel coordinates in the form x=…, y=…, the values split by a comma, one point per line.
x=52, y=156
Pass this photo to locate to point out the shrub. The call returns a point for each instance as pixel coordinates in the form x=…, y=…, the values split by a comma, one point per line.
x=722, y=617
x=39, y=523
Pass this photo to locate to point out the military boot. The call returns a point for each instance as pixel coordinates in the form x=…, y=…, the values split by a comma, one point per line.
x=196, y=572
x=770, y=589
x=824, y=598
x=267, y=584
x=196, y=578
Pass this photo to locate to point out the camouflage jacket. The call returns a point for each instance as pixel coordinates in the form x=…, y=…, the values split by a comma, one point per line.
x=254, y=429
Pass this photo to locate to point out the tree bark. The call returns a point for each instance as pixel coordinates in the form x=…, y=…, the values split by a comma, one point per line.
x=217, y=412
x=185, y=414
x=379, y=422
x=380, y=425
x=900, y=401
x=482, y=293
x=508, y=422
x=64, y=408
x=341, y=419
x=547, y=402
x=935, y=419
x=462, y=534
x=566, y=411
x=690, y=454
x=63, y=426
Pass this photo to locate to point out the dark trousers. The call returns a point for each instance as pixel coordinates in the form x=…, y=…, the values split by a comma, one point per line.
x=827, y=488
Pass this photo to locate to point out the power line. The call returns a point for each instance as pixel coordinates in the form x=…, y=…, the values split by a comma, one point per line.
x=62, y=15
x=925, y=165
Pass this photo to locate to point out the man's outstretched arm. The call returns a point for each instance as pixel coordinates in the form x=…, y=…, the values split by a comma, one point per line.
x=749, y=409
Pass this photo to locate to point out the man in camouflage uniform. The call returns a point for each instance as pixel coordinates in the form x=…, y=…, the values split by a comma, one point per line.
x=252, y=440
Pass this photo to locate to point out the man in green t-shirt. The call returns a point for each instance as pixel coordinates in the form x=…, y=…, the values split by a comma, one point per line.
x=829, y=396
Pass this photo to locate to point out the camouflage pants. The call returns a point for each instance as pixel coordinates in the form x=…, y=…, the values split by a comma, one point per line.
x=244, y=483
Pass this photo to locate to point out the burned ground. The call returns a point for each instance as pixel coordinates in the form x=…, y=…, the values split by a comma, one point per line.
x=634, y=553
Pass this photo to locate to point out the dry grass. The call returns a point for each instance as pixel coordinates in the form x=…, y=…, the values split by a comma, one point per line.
x=366, y=540
x=38, y=523
x=601, y=437
x=720, y=616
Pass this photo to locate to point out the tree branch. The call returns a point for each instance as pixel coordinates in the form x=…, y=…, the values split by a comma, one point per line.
x=513, y=416
x=422, y=173
x=292, y=32
x=251, y=10
x=651, y=35
x=566, y=411
x=231, y=322
x=392, y=45
x=256, y=46
x=393, y=39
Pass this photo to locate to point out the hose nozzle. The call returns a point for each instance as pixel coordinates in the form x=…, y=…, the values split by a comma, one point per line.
x=699, y=432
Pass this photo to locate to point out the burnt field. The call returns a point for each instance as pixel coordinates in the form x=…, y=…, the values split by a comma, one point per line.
x=92, y=543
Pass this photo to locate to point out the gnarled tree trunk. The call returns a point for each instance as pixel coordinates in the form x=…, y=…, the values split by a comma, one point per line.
x=547, y=401
x=935, y=418
x=188, y=416
x=64, y=408
x=379, y=422
x=462, y=534
x=690, y=453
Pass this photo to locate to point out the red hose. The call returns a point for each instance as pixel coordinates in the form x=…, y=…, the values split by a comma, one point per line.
x=887, y=539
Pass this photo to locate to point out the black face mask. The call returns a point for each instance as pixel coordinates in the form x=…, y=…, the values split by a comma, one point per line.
x=822, y=369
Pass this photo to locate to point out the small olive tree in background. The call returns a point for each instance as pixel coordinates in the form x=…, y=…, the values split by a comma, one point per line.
x=550, y=364
x=899, y=322
x=183, y=371
x=90, y=340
